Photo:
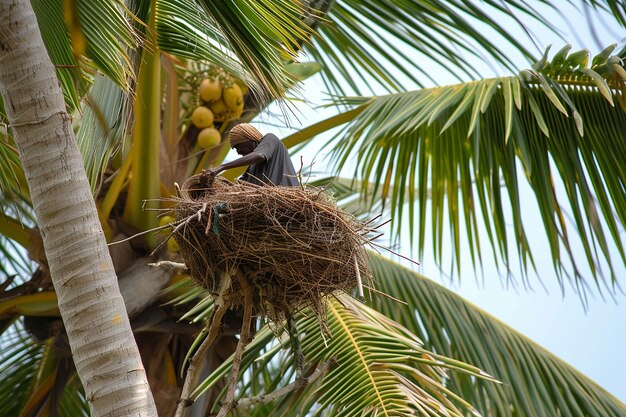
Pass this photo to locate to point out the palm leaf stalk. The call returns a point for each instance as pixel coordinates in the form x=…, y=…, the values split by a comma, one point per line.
x=144, y=182
x=13, y=229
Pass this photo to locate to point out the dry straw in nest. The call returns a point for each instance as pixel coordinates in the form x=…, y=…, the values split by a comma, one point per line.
x=292, y=245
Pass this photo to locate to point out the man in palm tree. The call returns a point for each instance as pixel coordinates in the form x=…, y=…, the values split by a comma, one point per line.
x=267, y=157
x=268, y=164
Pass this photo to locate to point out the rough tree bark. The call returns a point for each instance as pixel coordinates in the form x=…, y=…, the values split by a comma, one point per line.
x=103, y=346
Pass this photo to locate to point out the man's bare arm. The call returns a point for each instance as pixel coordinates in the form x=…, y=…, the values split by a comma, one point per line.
x=251, y=158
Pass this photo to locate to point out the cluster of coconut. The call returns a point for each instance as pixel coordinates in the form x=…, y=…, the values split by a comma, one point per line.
x=220, y=100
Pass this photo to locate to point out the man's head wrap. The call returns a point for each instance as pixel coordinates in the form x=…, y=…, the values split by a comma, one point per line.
x=243, y=132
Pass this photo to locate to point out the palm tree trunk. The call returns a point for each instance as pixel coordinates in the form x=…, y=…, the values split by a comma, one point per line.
x=103, y=346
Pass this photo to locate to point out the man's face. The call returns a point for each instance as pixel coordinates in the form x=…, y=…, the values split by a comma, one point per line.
x=244, y=148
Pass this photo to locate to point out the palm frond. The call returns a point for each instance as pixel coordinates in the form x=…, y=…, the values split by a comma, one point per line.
x=471, y=145
x=183, y=291
x=380, y=368
x=10, y=165
x=19, y=359
x=616, y=7
x=14, y=192
x=107, y=35
x=259, y=350
x=17, y=223
x=102, y=127
x=73, y=402
x=56, y=38
x=38, y=371
x=184, y=30
x=534, y=381
x=13, y=259
x=388, y=41
x=264, y=35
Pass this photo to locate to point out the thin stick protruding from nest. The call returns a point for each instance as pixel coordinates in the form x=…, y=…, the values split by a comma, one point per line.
x=177, y=266
x=359, y=282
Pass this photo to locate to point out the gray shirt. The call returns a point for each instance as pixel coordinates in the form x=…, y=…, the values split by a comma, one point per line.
x=277, y=168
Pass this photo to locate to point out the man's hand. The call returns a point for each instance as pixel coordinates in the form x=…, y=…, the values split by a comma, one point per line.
x=210, y=175
x=212, y=172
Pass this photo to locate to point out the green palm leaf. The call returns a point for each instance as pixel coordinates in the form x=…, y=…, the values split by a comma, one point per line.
x=264, y=35
x=58, y=43
x=183, y=29
x=534, y=382
x=380, y=368
x=13, y=187
x=32, y=377
x=102, y=127
x=616, y=7
x=73, y=402
x=471, y=146
x=107, y=33
x=20, y=357
x=390, y=40
x=14, y=259
x=17, y=222
x=10, y=166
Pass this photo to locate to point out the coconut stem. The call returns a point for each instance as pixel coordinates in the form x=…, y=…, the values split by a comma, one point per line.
x=244, y=339
x=214, y=330
x=297, y=384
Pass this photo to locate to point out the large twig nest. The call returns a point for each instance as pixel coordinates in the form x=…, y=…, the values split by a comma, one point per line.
x=292, y=244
